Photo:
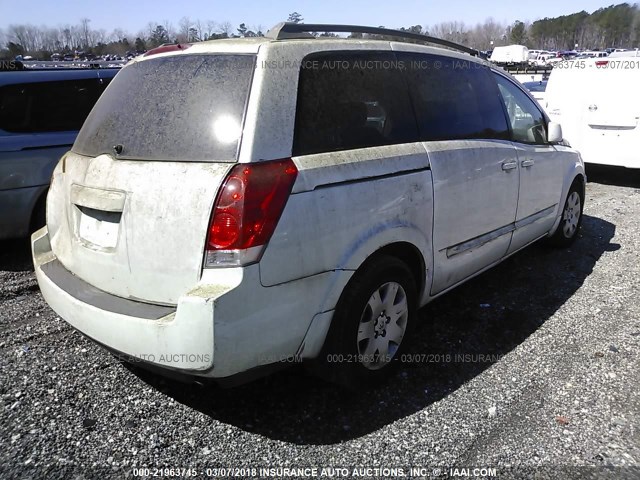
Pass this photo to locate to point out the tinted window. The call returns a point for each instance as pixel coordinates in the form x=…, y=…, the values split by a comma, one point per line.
x=183, y=107
x=48, y=106
x=350, y=100
x=454, y=99
x=527, y=122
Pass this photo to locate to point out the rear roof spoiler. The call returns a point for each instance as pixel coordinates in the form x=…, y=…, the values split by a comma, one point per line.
x=290, y=30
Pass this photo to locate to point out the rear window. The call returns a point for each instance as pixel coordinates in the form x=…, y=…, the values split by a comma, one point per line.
x=48, y=106
x=177, y=108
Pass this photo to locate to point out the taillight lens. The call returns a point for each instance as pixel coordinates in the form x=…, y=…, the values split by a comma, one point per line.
x=602, y=63
x=247, y=210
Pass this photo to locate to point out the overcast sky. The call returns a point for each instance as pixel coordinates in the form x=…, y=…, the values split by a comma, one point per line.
x=134, y=15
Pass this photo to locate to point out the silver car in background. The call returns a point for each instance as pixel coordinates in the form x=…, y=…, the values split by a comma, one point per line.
x=41, y=112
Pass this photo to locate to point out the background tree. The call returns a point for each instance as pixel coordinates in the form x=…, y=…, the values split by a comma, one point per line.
x=86, y=34
x=158, y=36
x=613, y=26
x=15, y=49
x=295, y=17
x=224, y=29
x=140, y=45
x=455, y=31
x=518, y=33
x=184, y=27
x=483, y=34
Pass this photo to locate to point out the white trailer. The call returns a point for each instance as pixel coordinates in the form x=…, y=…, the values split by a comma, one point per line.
x=510, y=54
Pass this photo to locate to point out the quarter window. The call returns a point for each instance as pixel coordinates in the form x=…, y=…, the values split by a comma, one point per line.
x=527, y=122
x=349, y=100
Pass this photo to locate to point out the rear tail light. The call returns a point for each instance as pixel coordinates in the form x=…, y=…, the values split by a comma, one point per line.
x=602, y=63
x=247, y=210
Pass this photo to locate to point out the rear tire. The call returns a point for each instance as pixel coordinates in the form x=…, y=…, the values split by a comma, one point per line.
x=373, y=316
x=571, y=220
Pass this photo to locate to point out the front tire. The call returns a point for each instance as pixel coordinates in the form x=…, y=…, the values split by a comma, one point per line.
x=571, y=220
x=370, y=324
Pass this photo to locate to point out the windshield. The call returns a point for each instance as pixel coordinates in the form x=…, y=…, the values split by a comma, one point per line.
x=178, y=108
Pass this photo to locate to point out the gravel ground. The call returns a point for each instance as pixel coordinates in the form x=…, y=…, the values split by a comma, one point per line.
x=534, y=370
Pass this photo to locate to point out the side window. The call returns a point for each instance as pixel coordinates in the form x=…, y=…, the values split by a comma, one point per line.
x=349, y=100
x=454, y=99
x=527, y=122
x=46, y=106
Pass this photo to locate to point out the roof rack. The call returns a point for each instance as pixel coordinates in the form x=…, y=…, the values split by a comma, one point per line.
x=286, y=30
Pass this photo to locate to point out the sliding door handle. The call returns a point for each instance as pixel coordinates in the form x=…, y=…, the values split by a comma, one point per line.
x=528, y=162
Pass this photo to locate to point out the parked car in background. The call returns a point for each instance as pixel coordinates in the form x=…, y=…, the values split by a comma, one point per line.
x=560, y=57
x=542, y=59
x=41, y=112
x=597, y=103
x=533, y=53
x=625, y=53
x=213, y=218
x=593, y=54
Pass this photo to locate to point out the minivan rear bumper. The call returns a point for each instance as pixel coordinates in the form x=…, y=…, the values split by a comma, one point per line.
x=178, y=338
x=251, y=330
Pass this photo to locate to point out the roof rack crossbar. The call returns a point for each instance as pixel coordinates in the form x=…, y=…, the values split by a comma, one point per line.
x=285, y=30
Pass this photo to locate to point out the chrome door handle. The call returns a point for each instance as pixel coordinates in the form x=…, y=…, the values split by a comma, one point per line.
x=527, y=163
x=509, y=165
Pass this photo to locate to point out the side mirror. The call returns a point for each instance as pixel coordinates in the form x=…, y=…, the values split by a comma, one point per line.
x=554, y=132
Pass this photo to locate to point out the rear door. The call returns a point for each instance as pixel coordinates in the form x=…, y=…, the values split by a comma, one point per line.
x=473, y=163
x=129, y=207
x=540, y=165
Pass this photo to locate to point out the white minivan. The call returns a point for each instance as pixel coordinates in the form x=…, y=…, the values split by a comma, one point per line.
x=235, y=204
x=597, y=103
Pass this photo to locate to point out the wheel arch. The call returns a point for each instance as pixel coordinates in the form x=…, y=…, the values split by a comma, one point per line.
x=410, y=255
x=582, y=180
x=405, y=251
x=579, y=177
